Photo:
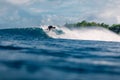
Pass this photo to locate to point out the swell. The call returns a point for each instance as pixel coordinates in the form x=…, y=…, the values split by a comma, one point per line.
x=35, y=66
x=23, y=33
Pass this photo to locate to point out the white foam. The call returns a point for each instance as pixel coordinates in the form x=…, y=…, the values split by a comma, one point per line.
x=92, y=33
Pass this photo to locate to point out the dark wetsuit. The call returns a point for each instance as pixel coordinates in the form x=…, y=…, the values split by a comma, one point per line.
x=50, y=27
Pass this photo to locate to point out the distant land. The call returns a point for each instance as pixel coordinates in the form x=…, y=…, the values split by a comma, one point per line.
x=115, y=27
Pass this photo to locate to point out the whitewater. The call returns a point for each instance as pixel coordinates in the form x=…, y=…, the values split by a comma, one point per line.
x=89, y=33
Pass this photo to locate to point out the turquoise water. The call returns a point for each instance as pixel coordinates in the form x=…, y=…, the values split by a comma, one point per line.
x=30, y=54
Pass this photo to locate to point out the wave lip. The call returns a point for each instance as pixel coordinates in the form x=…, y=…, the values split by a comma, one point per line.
x=92, y=33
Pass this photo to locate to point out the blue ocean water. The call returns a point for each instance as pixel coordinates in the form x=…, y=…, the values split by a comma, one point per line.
x=30, y=54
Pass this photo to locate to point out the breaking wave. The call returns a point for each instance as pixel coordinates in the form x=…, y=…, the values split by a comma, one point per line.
x=92, y=33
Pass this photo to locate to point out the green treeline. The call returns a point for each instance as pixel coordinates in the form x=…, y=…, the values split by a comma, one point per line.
x=115, y=27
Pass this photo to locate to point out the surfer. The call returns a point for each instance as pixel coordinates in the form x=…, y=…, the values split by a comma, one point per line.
x=50, y=28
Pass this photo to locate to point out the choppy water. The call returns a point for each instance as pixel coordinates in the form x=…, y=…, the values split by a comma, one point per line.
x=29, y=54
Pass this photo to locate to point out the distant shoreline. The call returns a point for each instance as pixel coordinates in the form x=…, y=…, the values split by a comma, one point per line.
x=115, y=27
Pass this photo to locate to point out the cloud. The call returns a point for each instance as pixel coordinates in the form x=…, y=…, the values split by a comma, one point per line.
x=110, y=13
x=19, y=2
x=16, y=16
x=33, y=12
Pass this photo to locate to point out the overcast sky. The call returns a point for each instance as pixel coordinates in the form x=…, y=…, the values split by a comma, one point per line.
x=27, y=13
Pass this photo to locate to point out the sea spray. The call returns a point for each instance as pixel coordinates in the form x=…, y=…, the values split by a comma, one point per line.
x=92, y=33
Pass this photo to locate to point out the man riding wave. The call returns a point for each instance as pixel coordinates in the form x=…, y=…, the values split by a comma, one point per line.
x=50, y=27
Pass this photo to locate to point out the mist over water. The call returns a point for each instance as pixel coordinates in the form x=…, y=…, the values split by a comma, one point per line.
x=92, y=33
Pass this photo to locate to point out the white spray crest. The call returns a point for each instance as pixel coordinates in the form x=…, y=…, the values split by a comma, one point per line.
x=92, y=33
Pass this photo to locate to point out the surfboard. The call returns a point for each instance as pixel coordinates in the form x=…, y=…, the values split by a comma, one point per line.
x=58, y=32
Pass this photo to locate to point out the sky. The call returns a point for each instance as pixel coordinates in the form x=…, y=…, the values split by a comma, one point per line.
x=29, y=13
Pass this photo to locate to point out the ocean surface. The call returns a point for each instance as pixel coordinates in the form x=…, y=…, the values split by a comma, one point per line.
x=36, y=54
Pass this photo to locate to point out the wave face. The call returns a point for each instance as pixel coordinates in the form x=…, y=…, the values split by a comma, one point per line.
x=92, y=33
x=23, y=33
